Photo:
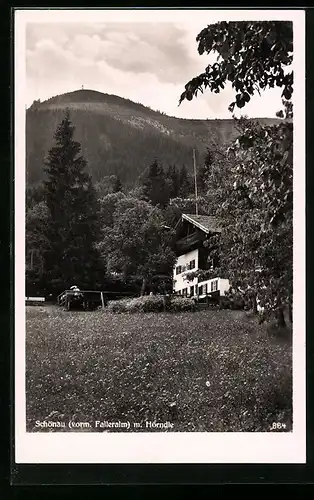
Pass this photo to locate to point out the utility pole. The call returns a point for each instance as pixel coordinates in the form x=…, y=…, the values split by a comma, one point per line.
x=195, y=180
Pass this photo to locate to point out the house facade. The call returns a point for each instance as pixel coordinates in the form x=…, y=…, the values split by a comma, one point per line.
x=191, y=233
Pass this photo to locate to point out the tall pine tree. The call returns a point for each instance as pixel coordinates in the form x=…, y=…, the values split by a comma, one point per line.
x=185, y=183
x=73, y=229
x=154, y=185
x=205, y=171
x=173, y=177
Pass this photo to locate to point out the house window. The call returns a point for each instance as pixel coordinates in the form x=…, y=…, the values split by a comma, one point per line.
x=195, y=289
x=184, y=292
x=205, y=288
x=214, y=286
x=191, y=291
x=178, y=270
x=192, y=264
x=200, y=290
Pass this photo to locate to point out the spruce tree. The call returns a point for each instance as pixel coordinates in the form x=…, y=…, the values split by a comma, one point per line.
x=185, y=183
x=154, y=185
x=71, y=200
x=204, y=172
x=173, y=177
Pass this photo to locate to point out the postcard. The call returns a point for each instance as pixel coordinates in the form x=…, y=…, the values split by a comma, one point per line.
x=159, y=236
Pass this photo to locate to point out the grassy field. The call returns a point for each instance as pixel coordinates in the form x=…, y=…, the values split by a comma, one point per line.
x=205, y=371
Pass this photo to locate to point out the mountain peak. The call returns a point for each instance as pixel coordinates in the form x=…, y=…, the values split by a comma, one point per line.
x=89, y=96
x=78, y=96
x=119, y=136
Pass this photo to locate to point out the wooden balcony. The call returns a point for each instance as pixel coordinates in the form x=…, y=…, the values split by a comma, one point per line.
x=185, y=244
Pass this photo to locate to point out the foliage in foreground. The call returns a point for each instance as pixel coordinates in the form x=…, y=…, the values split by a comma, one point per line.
x=256, y=216
x=251, y=56
x=210, y=371
x=256, y=211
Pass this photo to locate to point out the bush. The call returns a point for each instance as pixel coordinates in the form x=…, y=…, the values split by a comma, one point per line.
x=232, y=301
x=238, y=302
x=181, y=304
x=151, y=303
x=225, y=302
x=117, y=306
x=147, y=303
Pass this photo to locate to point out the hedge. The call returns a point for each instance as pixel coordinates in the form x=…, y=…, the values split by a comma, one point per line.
x=151, y=303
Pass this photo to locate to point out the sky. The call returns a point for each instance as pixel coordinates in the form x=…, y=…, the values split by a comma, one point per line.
x=147, y=62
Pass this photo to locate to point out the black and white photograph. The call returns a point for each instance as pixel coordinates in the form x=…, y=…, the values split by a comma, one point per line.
x=159, y=236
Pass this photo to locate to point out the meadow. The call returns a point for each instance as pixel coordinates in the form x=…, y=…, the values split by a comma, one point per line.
x=211, y=370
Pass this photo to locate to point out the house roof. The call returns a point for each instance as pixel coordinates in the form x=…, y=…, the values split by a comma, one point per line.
x=207, y=223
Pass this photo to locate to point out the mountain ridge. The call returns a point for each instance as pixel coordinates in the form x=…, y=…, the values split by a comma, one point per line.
x=119, y=136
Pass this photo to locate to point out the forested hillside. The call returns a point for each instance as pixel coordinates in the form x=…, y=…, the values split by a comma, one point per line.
x=119, y=136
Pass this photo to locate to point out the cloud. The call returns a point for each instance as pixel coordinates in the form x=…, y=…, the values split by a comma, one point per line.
x=159, y=48
x=145, y=62
x=60, y=33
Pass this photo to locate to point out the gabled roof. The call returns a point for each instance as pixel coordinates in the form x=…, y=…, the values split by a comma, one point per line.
x=207, y=223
